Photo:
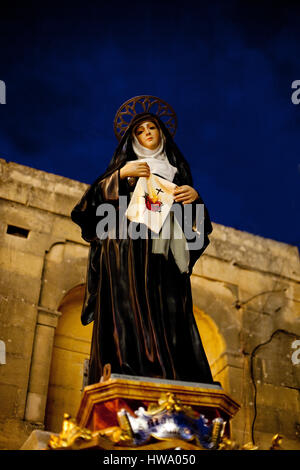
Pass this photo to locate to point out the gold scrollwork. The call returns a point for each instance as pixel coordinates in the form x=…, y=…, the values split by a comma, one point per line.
x=276, y=442
x=70, y=433
x=169, y=402
x=73, y=436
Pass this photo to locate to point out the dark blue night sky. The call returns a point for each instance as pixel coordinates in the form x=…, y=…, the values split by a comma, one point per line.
x=225, y=67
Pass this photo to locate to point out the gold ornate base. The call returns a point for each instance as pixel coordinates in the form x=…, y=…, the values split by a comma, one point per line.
x=101, y=401
x=135, y=413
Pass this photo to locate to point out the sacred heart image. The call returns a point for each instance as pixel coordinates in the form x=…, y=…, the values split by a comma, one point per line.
x=153, y=203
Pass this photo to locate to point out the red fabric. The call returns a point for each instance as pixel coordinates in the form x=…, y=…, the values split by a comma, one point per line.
x=104, y=415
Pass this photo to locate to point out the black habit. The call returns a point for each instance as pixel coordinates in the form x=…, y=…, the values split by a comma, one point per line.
x=140, y=302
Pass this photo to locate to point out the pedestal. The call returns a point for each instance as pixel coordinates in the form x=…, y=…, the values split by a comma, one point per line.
x=101, y=401
x=140, y=413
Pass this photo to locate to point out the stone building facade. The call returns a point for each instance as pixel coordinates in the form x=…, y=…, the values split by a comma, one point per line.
x=246, y=296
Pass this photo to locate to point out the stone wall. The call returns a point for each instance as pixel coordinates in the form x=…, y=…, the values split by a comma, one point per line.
x=35, y=274
x=245, y=290
x=249, y=286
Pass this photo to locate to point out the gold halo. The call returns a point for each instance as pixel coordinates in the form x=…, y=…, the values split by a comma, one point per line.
x=146, y=103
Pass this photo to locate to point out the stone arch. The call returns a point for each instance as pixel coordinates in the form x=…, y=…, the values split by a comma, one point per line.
x=71, y=350
x=217, y=300
x=64, y=267
x=212, y=340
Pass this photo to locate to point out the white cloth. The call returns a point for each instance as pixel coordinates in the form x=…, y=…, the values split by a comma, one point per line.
x=151, y=202
x=176, y=241
x=157, y=220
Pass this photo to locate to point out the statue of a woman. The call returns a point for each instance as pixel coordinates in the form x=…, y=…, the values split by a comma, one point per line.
x=138, y=291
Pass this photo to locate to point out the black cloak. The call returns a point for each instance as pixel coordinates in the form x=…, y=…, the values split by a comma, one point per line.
x=140, y=302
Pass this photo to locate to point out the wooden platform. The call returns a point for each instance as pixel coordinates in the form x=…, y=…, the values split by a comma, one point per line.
x=101, y=401
x=108, y=410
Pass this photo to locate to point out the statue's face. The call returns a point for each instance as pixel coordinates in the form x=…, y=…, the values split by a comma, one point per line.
x=148, y=134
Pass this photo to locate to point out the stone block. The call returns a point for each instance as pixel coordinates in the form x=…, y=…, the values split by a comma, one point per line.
x=204, y=291
x=278, y=398
x=35, y=407
x=248, y=250
x=267, y=419
x=14, y=432
x=18, y=341
x=60, y=277
x=277, y=367
x=8, y=402
x=25, y=216
x=15, y=286
x=18, y=262
x=264, y=440
x=16, y=313
x=288, y=420
x=36, y=188
x=265, y=299
x=38, y=440
x=294, y=292
x=14, y=191
x=54, y=202
x=48, y=319
x=216, y=268
x=75, y=252
x=66, y=228
x=16, y=370
x=40, y=363
x=256, y=329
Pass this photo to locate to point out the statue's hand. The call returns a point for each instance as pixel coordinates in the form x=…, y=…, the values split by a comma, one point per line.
x=185, y=194
x=135, y=169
